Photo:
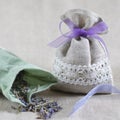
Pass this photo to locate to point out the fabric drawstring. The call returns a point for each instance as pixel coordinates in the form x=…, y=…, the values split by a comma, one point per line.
x=75, y=32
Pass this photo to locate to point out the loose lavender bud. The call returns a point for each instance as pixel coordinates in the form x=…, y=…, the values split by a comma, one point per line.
x=43, y=107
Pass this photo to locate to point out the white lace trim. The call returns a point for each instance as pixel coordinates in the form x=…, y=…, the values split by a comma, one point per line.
x=83, y=75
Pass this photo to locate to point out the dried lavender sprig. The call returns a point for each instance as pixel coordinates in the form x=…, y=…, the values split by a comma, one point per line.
x=43, y=107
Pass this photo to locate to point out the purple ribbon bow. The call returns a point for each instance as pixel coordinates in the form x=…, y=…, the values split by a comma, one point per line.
x=76, y=32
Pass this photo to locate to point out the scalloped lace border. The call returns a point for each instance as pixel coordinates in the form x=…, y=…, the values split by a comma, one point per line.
x=83, y=75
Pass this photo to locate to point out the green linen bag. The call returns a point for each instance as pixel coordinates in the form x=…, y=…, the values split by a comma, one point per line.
x=11, y=65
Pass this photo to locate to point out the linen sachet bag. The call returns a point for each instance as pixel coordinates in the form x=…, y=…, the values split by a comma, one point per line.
x=82, y=60
x=11, y=68
x=20, y=81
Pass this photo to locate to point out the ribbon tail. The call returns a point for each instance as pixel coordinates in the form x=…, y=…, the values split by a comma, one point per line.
x=60, y=40
x=104, y=88
x=102, y=43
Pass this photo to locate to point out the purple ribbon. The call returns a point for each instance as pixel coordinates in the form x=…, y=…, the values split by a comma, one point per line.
x=76, y=32
x=103, y=88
